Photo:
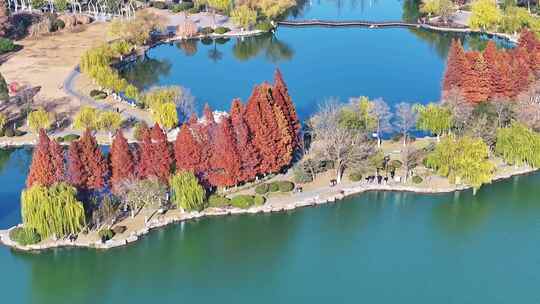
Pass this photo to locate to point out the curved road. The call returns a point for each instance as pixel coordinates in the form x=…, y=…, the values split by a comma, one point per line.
x=126, y=110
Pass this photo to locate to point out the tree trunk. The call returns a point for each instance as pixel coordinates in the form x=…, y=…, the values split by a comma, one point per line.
x=438, y=138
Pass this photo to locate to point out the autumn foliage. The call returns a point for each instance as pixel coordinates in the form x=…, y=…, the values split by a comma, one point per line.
x=492, y=74
x=257, y=138
x=48, y=163
x=221, y=149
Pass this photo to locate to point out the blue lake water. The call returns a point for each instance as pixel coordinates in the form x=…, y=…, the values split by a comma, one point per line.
x=375, y=248
x=317, y=63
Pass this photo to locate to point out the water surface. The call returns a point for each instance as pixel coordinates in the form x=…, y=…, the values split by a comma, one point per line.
x=378, y=247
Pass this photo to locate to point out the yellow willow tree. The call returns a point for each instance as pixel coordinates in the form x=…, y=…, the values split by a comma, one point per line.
x=39, y=119
x=433, y=118
x=53, y=211
x=518, y=145
x=462, y=160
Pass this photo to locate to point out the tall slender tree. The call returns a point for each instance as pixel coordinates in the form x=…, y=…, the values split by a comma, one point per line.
x=122, y=161
x=41, y=169
x=248, y=154
x=76, y=174
x=95, y=165
x=187, y=150
x=57, y=161
x=262, y=123
x=161, y=154
x=224, y=159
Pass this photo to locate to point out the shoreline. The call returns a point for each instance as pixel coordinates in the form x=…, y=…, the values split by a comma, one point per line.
x=309, y=201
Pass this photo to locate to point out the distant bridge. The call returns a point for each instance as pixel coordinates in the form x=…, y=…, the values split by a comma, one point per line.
x=348, y=23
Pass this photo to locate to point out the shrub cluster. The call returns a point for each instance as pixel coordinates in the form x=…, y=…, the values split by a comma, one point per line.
x=98, y=94
x=159, y=4
x=6, y=45
x=68, y=138
x=207, y=30
x=355, y=176
x=222, y=30
x=417, y=179
x=105, y=234
x=264, y=26
x=218, y=201
x=281, y=186
x=184, y=6
x=24, y=236
x=243, y=201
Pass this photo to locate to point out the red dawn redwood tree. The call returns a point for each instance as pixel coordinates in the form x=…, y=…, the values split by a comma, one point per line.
x=146, y=156
x=57, y=161
x=282, y=99
x=262, y=124
x=455, y=66
x=476, y=87
x=286, y=144
x=247, y=153
x=122, y=162
x=224, y=168
x=95, y=164
x=41, y=169
x=76, y=174
x=161, y=154
x=187, y=150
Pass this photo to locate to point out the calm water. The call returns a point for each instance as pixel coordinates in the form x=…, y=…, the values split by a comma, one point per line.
x=373, y=248
x=317, y=63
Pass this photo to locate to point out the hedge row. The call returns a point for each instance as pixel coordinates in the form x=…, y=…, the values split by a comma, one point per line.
x=281, y=186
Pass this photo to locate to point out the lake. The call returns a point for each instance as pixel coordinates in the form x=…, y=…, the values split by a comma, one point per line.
x=377, y=247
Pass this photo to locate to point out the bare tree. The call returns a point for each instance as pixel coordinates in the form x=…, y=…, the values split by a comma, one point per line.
x=527, y=111
x=406, y=119
x=146, y=193
x=382, y=115
x=411, y=158
x=344, y=146
x=461, y=109
x=503, y=110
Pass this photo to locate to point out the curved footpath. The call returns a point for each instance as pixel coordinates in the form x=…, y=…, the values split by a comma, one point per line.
x=312, y=198
x=388, y=24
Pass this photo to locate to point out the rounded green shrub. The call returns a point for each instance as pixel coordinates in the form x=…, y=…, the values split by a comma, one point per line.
x=193, y=10
x=70, y=137
x=6, y=45
x=24, y=236
x=273, y=187
x=207, y=30
x=264, y=26
x=184, y=6
x=259, y=200
x=59, y=24
x=105, y=234
x=218, y=201
x=355, y=176
x=417, y=179
x=396, y=164
x=159, y=5
x=242, y=201
x=285, y=186
x=222, y=30
x=262, y=189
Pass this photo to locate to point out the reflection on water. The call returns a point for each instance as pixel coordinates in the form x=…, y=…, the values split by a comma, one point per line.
x=146, y=71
